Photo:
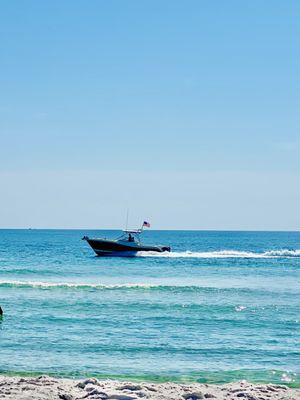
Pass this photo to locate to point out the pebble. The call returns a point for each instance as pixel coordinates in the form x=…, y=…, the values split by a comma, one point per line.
x=209, y=396
x=130, y=386
x=193, y=396
x=121, y=397
x=65, y=396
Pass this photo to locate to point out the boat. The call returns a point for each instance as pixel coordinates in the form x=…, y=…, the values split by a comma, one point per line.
x=127, y=245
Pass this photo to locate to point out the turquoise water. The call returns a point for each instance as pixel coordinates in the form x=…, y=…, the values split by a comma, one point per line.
x=222, y=306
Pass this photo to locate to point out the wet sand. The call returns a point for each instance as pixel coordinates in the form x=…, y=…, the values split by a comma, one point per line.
x=44, y=387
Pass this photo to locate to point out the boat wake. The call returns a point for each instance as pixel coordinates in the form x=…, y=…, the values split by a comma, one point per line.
x=284, y=253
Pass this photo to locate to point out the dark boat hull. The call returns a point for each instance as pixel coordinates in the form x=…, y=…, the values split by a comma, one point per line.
x=103, y=247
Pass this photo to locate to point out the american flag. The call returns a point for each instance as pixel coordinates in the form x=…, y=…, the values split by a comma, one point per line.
x=145, y=223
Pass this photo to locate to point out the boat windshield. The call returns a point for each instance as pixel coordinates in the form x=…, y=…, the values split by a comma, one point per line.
x=130, y=236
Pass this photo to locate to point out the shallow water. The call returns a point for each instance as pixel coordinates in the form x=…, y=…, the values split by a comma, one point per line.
x=222, y=306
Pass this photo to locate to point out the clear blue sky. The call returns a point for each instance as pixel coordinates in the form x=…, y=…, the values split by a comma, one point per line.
x=187, y=112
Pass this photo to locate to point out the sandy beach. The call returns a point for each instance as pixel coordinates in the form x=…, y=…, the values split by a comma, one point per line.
x=44, y=387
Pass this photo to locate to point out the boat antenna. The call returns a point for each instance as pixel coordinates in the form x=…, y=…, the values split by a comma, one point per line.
x=127, y=219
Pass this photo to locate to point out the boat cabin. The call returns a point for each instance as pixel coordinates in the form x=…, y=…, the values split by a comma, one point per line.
x=132, y=236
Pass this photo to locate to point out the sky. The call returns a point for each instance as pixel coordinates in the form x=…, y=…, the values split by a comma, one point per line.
x=184, y=112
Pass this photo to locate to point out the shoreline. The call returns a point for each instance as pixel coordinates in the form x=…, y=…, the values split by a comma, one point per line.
x=215, y=378
x=49, y=388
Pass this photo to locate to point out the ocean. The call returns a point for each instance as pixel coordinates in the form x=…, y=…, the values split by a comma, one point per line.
x=222, y=306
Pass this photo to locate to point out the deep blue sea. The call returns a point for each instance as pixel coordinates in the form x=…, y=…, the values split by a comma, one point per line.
x=221, y=306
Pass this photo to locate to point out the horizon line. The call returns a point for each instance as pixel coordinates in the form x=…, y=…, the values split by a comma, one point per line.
x=155, y=230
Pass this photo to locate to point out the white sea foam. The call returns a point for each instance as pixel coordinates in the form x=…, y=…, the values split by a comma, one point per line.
x=222, y=254
x=85, y=286
x=63, y=285
x=240, y=308
x=283, y=253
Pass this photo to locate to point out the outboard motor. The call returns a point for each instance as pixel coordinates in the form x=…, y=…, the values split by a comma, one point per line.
x=166, y=248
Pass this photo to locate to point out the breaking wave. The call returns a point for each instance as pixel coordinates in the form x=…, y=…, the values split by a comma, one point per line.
x=284, y=253
x=130, y=287
x=71, y=285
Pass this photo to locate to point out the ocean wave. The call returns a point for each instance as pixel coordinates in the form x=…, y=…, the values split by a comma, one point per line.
x=71, y=285
x=284, y=253
x=84, y=286
x=96, y=286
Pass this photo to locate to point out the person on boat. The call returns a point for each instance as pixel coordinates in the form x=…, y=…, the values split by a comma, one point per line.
x=130, y=238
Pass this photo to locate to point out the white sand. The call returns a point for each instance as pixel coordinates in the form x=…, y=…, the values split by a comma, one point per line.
x=44, y=387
